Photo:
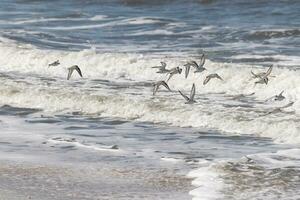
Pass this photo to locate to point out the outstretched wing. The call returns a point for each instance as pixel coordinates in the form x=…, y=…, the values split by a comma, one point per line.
x=78, y=70
x=155, y=88
x=206, y=80
x=170, y=76
x=202, y=61
x=165, y=85
x=269, y=70
x=70, y=73
x=255, y=75
x=187, y=70
x=280, y=94
x=270, y=98
x=288, y=105
x=184, y=96
x=194, y=64
x=193, y=91
x=219, y=77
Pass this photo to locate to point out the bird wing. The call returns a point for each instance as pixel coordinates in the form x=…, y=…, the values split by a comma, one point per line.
x=184, y=96
x=155, y=88
x=219, y=77
x=165, y=85
x=78, y=70
x=70, y=73
x=270, y=98
x=288, y=105
x=206, y=80
x=193, y=91
x=170, y=76
x=280, y=94
x=187, y=70
x=156, y=67
x=194, y=64
x=253, y=93
x=202, y=61
x=255, y=75
x=269, y=71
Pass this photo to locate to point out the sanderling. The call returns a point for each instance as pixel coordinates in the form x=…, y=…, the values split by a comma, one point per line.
x=162, y=68
x=71, y=69
x=159, y=83
x=55, y=63
x=207, y=79
x=189, y=100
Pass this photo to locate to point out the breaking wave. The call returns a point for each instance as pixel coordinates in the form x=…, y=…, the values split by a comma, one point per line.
x=120, y=85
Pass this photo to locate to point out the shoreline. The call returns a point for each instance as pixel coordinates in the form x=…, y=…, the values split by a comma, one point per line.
x=48, y=181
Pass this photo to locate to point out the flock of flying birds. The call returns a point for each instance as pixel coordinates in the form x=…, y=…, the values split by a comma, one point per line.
x=262, y=78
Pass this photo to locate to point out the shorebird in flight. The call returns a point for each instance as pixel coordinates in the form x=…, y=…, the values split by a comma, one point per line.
x=55, y=63
x=71, y=69
x=162, y=68
x=173, y=71
x=207, y=79
x=262, y=74
x=279, y=109
x=189, y=100
x=199, y=68
x=262, y=80
x=158, y=84
x=278, y=97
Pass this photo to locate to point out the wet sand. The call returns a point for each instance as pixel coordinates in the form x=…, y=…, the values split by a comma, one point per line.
x=20, y=181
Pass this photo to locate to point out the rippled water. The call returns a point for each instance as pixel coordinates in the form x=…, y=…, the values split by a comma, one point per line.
x=237, y=31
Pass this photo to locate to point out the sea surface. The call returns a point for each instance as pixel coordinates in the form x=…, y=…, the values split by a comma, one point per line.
x=106, y=136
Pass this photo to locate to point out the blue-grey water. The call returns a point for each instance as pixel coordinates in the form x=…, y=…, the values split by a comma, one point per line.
x=106, y=136
x=223, y=29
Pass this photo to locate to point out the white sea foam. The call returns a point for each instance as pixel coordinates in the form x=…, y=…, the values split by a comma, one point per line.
x=208, y=183
x=142, y=20
x=38, y=20
x=212, y=112
x=172, y=160
x=84, y=145
x=256, y=176
x=98, y=17
x=153, y=32
x=116, y=22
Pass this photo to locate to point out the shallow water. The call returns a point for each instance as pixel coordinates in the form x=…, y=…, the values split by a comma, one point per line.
x=105, y=136
x=94, y=149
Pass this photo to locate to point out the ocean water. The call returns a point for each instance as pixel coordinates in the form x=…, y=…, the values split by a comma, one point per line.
x=105, y=136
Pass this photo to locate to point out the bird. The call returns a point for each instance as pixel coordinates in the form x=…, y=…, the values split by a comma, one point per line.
x=199, y=68
x=55, y=63
x=262, y=80
x=278, y=97
x=162, y=68
x=263, y=74
x=207, y=79
x=159, y=83
x=279, y=109
x=189, y=100
x=173, y=71
x=71, y=69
